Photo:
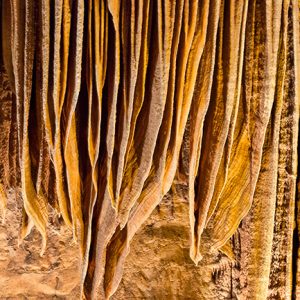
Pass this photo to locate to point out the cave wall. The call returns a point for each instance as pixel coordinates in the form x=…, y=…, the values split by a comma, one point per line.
x=151, y=148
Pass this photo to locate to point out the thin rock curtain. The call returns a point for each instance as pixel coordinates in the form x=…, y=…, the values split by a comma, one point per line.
x=107, y=92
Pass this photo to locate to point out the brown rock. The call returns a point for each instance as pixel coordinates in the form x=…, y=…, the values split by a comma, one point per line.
x=163, y=136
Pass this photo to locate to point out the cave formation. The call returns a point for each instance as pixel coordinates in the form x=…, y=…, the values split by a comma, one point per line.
x=160, y=137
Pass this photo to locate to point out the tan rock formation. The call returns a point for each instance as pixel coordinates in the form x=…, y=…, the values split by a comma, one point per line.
x=177, y=121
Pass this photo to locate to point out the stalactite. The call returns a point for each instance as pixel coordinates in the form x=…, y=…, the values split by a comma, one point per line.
x=107, y=93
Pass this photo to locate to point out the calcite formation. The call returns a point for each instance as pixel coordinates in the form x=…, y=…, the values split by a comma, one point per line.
x=111, y=106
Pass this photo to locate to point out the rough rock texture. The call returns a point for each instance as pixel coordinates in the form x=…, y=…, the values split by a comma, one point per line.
x=162, y=135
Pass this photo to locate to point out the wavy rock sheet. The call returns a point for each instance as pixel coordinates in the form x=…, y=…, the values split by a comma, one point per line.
x=107, y=95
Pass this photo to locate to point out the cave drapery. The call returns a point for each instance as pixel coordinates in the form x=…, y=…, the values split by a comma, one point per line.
x=114, y=99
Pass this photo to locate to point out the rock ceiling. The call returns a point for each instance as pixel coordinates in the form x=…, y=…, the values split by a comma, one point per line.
x=114, y=104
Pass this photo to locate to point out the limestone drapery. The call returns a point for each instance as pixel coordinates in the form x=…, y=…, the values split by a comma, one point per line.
x=104, y=93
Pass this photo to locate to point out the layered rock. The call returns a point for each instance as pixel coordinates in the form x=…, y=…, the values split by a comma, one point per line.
x=115, y=103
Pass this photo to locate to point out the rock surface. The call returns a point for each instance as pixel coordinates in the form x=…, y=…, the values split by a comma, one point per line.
x=148, y=149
